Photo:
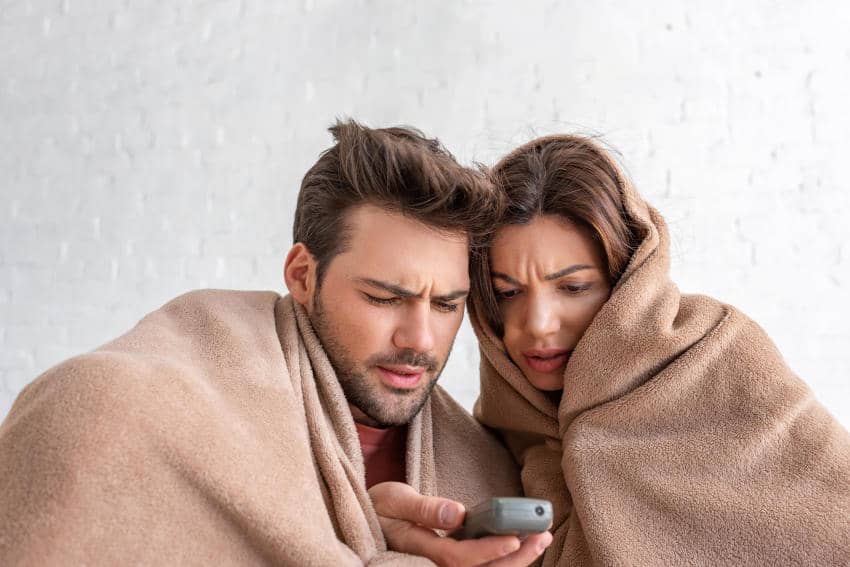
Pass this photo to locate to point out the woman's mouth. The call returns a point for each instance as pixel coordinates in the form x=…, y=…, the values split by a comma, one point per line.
x=546, y=359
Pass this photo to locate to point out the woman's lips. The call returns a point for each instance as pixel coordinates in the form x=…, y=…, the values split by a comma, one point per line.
x=546, y=359
x=403, y=377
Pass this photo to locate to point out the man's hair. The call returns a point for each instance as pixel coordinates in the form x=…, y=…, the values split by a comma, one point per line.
x=397, y=169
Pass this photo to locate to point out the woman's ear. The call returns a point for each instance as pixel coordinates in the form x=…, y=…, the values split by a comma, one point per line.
x=299, y=272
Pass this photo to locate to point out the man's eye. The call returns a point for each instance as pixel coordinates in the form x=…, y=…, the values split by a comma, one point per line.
x=506, y=294
x=381, y=300
x=446, y=307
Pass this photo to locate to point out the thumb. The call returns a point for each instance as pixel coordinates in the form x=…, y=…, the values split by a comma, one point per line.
x=400, y=501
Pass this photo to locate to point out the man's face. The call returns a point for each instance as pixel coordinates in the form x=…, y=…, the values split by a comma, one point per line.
x=388, y=310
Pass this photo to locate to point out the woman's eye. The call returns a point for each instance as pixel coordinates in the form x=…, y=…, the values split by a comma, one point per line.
x=381, y=300
x=576, y=288
x=506, y=294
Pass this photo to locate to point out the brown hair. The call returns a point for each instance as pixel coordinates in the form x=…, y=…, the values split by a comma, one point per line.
x=398, y=169
x=569, y=176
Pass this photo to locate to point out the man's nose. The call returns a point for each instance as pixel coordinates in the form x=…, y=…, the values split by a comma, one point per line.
x=542, y=318
x=415, y=332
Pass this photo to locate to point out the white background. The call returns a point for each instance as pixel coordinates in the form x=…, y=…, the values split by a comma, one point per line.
x=148, y=148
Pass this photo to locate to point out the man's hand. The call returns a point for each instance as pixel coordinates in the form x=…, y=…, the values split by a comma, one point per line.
x=409, y=519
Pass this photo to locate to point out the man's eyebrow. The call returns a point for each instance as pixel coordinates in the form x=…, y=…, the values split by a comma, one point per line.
x=548, y=277
x=405, y=293
x=386, y=286
x=453, y=295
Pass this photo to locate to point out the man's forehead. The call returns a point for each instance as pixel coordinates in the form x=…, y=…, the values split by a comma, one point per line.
x=390, y=247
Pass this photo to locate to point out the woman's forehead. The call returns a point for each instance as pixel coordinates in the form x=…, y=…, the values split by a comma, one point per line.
x=546, y=239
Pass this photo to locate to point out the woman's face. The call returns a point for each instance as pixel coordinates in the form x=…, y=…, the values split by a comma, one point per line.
x=549, y=280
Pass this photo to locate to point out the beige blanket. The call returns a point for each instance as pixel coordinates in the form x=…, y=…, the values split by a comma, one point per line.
x=682, y=437
x=214, y=433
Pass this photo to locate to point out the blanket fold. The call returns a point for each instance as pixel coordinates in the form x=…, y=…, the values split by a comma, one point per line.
x=214, y=432
x=681, y=437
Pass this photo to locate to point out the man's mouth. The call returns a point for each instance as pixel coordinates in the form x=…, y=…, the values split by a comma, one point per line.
x=401, y=376
x=546, y=359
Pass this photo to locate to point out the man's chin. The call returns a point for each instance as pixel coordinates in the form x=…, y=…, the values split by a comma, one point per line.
x=390, y=406
x=399, y=411
x=404, y=393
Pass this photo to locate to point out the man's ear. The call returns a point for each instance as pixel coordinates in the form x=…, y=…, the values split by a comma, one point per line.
x=299, y=272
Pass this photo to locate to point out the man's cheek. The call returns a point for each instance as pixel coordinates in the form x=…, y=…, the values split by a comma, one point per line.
x=443, y=344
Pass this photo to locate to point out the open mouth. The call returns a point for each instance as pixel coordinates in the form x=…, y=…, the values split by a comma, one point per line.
x=546, y=360
x=404, y=377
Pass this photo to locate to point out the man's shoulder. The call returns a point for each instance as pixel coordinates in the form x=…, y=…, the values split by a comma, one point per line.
x=82, y=406
x=200, y=327
x=203, y=304
x=180, y=354
x=95, y=384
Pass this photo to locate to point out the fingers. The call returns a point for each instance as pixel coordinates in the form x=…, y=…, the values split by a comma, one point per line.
x=445, y=551
x=406, y=537
x=407, y=519
x=400, y=501
x=532, y=547
x=476, y=551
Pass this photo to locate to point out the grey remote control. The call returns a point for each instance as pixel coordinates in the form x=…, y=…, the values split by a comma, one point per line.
x=506, y=516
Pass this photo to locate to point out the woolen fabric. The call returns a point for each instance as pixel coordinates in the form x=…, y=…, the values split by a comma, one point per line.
x=215, y=432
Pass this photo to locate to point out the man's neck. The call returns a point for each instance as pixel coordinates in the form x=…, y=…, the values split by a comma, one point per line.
x=362, y=418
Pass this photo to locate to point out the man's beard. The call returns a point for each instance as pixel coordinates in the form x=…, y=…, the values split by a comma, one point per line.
x=387, y=406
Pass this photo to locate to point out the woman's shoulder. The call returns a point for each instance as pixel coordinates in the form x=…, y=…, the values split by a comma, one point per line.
x=727, y=319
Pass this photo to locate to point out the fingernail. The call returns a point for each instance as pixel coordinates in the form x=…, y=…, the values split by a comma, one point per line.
x=542, y=545
x=511, y=547
x=448, y=514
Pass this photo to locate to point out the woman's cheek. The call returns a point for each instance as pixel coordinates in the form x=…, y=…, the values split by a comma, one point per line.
x=513, y=334
x=511, y=313
x=595, y=305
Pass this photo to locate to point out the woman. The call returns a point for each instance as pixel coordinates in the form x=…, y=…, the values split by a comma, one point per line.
x=665, y=428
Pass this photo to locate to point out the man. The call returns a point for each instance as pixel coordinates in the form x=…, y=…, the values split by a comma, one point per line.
x=246, y=428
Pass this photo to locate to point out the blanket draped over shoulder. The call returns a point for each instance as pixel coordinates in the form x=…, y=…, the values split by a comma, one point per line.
x=681, y=437
x=215, y=432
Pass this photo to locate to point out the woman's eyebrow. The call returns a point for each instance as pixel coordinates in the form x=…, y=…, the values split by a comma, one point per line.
x=567, y=271
x=505, y=277
x=548, y=277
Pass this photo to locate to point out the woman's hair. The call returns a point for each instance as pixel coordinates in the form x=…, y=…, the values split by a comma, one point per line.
x=571, y=177
x=398, y=169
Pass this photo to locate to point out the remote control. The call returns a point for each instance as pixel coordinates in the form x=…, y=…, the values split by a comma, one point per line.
x=506, y=516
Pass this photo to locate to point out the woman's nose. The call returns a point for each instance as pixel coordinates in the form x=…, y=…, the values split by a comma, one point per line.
x=542, y=318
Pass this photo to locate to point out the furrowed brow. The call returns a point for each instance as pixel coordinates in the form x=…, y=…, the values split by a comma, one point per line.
x=386, y=286
x=453, y=295
x=505, y=277
x=567, y=271
x=405, y=293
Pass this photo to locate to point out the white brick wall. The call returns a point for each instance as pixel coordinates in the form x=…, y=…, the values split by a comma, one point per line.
x=148, y=148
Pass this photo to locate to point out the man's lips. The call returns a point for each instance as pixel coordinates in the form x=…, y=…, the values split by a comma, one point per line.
x=401, y=376
x=546, y=359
